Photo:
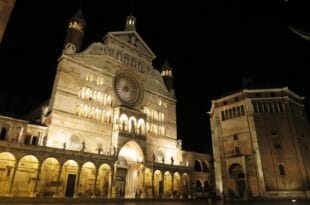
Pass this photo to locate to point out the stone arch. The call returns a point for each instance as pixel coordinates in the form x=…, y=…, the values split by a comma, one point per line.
x=185, y=189
x=103, y=180
x=123, y=120
x=132, y=183
x=205, y=166
x=207, y=186
x=198, y=165
x=26, y=174
x=86, y=180
x=68, y=178
x=141, y=126
x=148, y=182
x=7, y=165
x=176, y=184
x=158, y=183
x=49, y=177
x=198, y=186
x=167, y=184
x=132, y=124
x=237, y=183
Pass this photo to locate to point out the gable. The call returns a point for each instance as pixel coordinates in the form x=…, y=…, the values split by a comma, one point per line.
x=131, y=39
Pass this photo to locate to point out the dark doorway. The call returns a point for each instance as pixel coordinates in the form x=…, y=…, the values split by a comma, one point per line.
x=241, y=187
x=120, y=181
x=70, y=185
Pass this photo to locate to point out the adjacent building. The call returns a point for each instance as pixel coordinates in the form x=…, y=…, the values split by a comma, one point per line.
x=260, y=140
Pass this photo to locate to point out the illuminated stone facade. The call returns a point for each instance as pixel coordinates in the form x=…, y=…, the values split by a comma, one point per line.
x=108, y=130
x=261, y=144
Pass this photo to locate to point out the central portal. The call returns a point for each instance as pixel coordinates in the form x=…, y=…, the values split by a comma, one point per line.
x=129, y=171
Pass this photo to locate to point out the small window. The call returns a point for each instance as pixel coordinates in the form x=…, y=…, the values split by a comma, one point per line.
x=235, y=137
x=274, y=132
x=277, y=146
x=223, y=115
x=236, y=99
x=272, y=94
x=281, y=169
x=257, y=94
x=225, y=103
x=237, y=150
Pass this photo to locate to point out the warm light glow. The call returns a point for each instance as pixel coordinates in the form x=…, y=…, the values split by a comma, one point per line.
x=132, y=152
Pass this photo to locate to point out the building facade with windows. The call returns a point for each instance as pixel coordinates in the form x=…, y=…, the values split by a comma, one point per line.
x=260, y=140
x=108, y=130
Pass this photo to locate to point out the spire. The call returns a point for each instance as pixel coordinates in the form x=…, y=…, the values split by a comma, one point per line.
x=166, y=65
x=130, y=21
x=167, y=74
x=75, y=33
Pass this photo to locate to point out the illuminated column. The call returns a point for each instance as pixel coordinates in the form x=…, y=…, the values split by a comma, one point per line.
x=13, y=177
x=58, y=178
x=111, y=180
x=37, y=179
x=189, y=188
x=76, y=191
x=95, y=185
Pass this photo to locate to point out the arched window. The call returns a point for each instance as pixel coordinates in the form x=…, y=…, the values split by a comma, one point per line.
x=198, y=186
x=198, y=167
x=281, y=169
x=205, y=167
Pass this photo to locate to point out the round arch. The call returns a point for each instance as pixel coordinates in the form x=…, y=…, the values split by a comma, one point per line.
x=158, y=183
x=103, y=180
x=7, y=164
x=198, y=165
x=176, y=184
x=26, y=174
x=237, y=185
x=167, y=184
x=131, y=185
x=87, y=179
x=68, y=178
x=48, y=177
x=185, y=186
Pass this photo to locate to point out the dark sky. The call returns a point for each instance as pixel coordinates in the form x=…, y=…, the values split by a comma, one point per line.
x=211, y=46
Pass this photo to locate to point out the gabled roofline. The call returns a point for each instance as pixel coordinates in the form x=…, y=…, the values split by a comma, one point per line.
x=131, y=32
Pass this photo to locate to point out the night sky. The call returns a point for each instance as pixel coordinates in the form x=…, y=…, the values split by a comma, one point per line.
x=214, y=48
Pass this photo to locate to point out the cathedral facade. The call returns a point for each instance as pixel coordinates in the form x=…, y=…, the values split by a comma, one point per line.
x=108, y=130
x=260, y=142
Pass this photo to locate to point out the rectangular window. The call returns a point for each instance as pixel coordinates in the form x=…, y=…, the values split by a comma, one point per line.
x=223, y=115
x=235, y=137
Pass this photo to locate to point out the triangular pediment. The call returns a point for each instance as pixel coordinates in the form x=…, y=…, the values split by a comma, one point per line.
x=131, y=39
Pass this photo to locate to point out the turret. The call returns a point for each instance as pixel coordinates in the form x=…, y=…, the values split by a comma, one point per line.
x=130, y=23
x=75, y=33
x=167, y=74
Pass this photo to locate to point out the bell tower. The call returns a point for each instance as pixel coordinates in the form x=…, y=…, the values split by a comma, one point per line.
x=75, y=33
x=130, y=23
x=167, y=74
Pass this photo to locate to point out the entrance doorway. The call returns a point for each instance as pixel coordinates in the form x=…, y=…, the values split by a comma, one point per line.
x=237, y=182
x=70, y=185
x=130, y=160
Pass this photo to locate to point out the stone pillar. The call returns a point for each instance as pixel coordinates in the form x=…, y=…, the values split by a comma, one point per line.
x=153, y=194
x=163, y=186
x=111, y=183
x=13, y=177
x=172, y=185
x=37, y=180
x=76, y=190
x=95, y=185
